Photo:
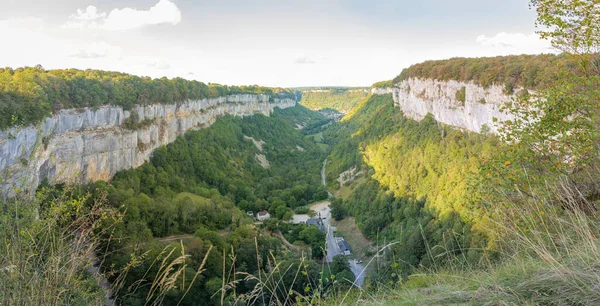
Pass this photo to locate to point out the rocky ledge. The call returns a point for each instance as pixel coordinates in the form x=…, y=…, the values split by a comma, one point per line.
x=84, y=145
x=463, y=105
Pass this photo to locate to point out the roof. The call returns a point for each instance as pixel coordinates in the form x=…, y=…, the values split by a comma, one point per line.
x=318, y=223
x=263, y=213
x=344, y=246
x=313, y=221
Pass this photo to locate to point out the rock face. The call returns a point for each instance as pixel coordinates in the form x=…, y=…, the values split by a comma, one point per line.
x=382, y=91
x=84, y=145
x=418, y=97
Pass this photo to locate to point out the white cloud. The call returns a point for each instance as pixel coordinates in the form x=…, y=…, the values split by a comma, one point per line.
x=127, y=18
x=85, y=18
x=23, y=24
x=99, y=50
x=516, y=43
x=304, y=60
x=31, y=43
x=90, y=13
x=159, y=64
x=34, y=41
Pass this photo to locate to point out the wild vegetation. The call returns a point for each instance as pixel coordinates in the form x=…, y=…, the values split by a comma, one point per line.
x=195, y=190
x=420, y=186
x=47, y=255
x=27, y=95
x=202, y=185
x=340, y=99
x=532, y=196
x=529, y=71
x=462, y=218
x=383, y=84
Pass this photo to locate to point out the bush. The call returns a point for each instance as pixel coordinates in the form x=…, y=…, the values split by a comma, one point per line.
x=509, y=87
x=461, y=95
x=301, y=210
x=529, y=71
x=27, y=95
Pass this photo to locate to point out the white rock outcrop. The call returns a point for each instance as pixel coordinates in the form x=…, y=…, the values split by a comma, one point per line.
x=381, y=91
x=84, y=145
x=419, y=97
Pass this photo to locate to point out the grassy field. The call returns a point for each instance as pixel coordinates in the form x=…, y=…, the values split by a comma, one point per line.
x=345, y=191
x=318, y=138
x=323, y=146
x=348, y=229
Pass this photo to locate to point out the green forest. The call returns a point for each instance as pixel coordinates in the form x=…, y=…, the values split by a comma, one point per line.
x=528, y=71
x=447, y=216
x=27, y=95
x=202, y=185
x=420, y=185
x=340, y=99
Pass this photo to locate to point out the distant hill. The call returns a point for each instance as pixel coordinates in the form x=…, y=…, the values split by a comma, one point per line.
x=340, y=98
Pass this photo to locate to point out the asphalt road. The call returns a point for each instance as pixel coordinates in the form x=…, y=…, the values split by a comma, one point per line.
x=332, y=247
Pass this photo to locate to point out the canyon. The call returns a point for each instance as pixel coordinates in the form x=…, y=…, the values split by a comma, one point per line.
x=85, y=145
x=90, y=144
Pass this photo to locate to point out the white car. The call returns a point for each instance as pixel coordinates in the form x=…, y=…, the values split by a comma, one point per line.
x=357, y=261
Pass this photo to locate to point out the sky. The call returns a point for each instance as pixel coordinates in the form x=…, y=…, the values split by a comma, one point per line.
x=286, y=43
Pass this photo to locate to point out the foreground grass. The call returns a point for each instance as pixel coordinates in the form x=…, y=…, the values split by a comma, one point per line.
x=549, y=254
x=48, y=261
x=526, y=281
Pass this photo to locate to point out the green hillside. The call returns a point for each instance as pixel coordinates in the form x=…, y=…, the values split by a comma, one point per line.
x=27, y=95
x=340, y=99
x=436, y=215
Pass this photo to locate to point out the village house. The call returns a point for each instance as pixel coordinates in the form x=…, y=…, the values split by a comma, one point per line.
x=263, y=215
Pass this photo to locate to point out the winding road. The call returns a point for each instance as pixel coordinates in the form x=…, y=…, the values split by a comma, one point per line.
x=332, y=247
x=323, y=178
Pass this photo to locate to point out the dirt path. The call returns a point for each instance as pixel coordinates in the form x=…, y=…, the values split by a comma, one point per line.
x=323, y=178
x=279, y=235
x=175, y=238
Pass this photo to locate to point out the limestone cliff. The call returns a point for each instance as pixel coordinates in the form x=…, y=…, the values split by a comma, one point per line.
x=418, y=97
x=83, y=145
x=381, y=91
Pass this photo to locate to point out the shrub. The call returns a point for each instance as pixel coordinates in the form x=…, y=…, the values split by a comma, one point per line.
x=509, y=88
x=301, y=210
x=461, y=95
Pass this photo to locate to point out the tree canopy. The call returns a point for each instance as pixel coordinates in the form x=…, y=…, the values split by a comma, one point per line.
x=340, y=99
x=529, y=71
x=27, y=95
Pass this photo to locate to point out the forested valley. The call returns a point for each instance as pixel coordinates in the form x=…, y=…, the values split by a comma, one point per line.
x=417, y=184
x=425, y=213
x=200, y=188
x=340, y=99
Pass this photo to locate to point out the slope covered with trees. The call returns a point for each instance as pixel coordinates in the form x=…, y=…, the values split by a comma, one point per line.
x=175, y=230
x=529, y=71
x=340, y=99
x=533, y=192
x=29, y=94
x=202, y=185
x=419, y=187
x=471, y=219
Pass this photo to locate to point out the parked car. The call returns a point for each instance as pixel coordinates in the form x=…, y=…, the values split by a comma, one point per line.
x=358, y=261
